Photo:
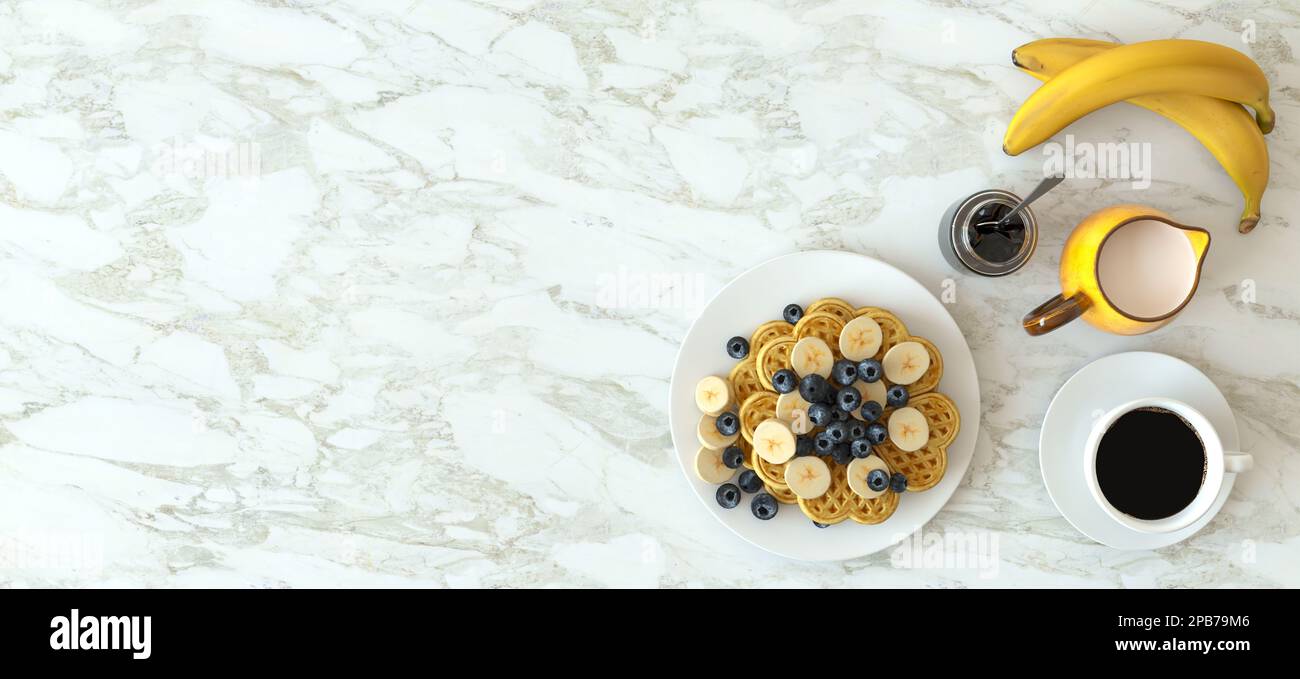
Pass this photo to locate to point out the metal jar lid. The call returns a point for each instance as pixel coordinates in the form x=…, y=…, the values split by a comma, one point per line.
x=958, y=223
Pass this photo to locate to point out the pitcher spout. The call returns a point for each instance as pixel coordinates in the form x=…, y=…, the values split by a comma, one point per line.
x=1199, y=238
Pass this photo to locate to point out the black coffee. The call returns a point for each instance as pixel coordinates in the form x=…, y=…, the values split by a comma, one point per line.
x=1150, y=463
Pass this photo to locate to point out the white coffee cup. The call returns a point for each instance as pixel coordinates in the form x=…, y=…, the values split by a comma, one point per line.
x=1217, y=463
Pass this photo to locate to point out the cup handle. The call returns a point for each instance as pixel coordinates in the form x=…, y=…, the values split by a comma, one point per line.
x=1054, y=313
x=1234, y=462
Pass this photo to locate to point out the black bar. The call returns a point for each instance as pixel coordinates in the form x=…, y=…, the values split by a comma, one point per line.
x=322, y=628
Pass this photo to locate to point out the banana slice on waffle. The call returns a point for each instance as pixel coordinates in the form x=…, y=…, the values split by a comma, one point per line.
x=930, y=380
x=892, y=329
x=840, y=502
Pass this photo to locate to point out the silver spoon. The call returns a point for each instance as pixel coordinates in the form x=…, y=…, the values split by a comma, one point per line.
x=1043, y=187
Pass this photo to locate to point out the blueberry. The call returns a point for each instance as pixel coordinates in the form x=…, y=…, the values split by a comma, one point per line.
x=878, y=479
x=749, y=481
x=785, y=381
x=821, y=525
x=792, y=313
x=842, y=453
x=727, y=423
x=763, y=506
x=857, y=429
x=804, y=446
x=877, y=433
x=844, y=372
x=814, y=388
x=871, y=411
x=838, y=431
x=819, y=414
x=869, y=370
x=860, y=448
x=823, y=443
x=896, y=397
x=728, y=495
x=848, y=399
x=733, y=457
x=737, y=347
x=898, y=482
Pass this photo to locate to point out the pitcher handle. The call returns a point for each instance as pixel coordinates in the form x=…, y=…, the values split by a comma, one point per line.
x=1054, y=313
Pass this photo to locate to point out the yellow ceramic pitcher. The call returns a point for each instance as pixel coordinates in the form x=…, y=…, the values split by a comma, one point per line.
x=1082, y=290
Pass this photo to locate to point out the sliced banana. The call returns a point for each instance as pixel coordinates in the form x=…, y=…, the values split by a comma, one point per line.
x=860, y=339
x=906, y=362
x=709, y=435
x=908, y=429
x=774, y=441
x=808, y=477
x=710, y=468
x=712, y=394
x=812, y=355
x=871, y=391
x=857, y=472
x=786, y=404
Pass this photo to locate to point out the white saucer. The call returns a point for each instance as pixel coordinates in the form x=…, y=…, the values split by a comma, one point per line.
x=1097, y=387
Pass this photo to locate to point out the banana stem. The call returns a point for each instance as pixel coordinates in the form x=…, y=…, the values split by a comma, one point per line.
x=1249, y=217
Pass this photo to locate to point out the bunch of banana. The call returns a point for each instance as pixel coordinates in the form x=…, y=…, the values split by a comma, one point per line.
x=1200, y=86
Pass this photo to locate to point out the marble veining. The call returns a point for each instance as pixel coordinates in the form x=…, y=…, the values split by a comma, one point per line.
x=387, y=292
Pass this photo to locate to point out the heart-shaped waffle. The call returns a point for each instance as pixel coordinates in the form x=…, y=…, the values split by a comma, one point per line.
x=840, y=502
x=754, y=411
x=873, y=511
x=821, y=324
x=925, y=466
x=744, y=380
x=783, y=494
x=774, y=356
x=833, y=306
x=748, y=449
x=773, y=476
x=930, y=380
x=893, y=333
x=892, y=330
x=766, y=333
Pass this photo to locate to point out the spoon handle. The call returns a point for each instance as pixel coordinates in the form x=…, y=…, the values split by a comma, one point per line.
x=1043, y=187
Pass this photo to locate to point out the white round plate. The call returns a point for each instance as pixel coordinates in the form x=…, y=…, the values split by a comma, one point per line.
x=1093, y=391
x=759, y=295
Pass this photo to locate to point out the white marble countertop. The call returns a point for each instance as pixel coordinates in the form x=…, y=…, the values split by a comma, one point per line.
x=349, y=293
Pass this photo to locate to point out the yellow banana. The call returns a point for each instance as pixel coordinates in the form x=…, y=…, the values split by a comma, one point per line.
x=1225, y=128
x=1127, y=71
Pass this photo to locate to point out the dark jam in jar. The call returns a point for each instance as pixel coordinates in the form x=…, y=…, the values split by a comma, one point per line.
x=1000, y=244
